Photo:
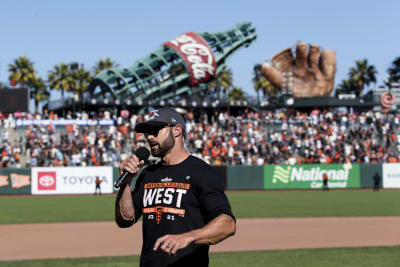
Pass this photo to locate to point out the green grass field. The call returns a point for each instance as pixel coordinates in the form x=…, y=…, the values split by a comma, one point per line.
x=46, y=209
x=343, y=257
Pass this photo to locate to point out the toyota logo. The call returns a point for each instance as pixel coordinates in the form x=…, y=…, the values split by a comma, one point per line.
x=46, y=181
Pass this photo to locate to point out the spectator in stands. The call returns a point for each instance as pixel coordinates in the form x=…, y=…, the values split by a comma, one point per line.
x=322, y=136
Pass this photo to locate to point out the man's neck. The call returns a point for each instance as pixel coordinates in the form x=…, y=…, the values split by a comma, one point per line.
x=175, y=156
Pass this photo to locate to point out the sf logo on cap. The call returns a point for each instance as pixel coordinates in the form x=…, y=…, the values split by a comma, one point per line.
x=154, y=114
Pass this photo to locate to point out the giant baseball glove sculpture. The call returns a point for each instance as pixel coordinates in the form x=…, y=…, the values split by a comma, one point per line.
x=313, y=70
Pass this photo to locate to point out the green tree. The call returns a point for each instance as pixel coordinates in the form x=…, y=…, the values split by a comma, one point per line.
x=82, y=78
x=346, y=87
x=362, y=75
x=262, y=85
x=61, y=78
x=21, y=71
x=394, y=70
x=39, y=91
x=236, y=94
x=222, y=83
x=103, y=64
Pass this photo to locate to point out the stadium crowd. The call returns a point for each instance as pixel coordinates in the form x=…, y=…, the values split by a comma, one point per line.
x=220, y=138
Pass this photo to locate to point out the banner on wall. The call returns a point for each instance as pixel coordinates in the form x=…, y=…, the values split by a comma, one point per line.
x=71, y=180
x=391, y=175
x=15, y=181
x=309, y=176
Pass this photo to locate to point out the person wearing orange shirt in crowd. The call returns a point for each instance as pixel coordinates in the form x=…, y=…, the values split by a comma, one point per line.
x=123, y=129
x=392, y=159
x=218, y=161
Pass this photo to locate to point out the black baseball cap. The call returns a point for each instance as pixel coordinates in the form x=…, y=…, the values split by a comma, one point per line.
x=161, y=117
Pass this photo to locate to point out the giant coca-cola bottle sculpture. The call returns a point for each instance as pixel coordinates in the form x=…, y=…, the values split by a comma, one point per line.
x=180, y=66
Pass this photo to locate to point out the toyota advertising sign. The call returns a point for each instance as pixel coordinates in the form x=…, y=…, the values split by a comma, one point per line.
x=391, y=175
x=70, y=180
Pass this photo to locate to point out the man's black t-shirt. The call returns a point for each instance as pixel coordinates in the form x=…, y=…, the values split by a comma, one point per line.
x=175, y=199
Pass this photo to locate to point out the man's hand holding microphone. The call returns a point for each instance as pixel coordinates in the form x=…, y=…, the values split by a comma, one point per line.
x=131, y=166
x=124, y=212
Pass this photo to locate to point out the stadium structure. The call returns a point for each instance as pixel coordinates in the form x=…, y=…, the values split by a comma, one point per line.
x=176, y=74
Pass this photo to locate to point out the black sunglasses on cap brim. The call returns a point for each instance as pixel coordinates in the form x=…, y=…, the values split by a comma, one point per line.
x=154, y=130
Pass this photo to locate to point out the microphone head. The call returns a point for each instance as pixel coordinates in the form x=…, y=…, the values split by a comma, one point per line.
x=142, y=153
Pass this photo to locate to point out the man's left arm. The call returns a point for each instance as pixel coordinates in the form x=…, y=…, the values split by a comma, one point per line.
x=218, y=229
x=216, y=206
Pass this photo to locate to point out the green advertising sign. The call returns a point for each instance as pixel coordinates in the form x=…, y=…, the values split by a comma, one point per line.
x=309, y=176
x=15, y=181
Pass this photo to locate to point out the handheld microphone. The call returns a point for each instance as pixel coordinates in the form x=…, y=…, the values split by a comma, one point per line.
x=143, y=154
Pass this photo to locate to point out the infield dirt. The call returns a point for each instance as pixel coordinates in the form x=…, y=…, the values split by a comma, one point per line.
x=95, y=239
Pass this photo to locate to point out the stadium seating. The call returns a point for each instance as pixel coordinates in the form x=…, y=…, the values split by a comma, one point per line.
x=249, y=138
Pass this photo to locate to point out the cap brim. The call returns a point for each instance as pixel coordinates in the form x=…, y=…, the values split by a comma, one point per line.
x=144, y=126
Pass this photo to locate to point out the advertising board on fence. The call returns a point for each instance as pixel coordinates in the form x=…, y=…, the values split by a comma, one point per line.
x=15, y=181
x=309, y=176
x=70, y=180
x=391, y=175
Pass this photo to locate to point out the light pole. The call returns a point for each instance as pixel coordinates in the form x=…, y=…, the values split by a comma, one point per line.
x=287, y=90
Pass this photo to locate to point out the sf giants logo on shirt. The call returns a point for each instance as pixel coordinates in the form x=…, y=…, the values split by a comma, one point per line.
x=47, y=180
x=169, y=193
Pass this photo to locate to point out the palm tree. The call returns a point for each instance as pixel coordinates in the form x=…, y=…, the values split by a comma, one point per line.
x=222, y=82
x=21, y=71
x=394, y=70
x=362, y=75
x=236, y=94
x=61, y=78
x=39, y=91
x=262, y=84
x=256, y=80
x=82, y=78
x=103, y=64
x=225, y=79
x=346, y=87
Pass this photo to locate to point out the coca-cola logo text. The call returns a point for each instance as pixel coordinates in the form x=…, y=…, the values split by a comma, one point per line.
x=197, y=55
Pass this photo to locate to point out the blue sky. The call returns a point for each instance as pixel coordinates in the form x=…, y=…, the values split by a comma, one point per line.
x=49, y=32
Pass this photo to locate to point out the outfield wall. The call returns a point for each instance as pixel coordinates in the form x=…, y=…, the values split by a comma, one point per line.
x=81, y=180
x=391, y=175
x=367, y=173
x=15, y=181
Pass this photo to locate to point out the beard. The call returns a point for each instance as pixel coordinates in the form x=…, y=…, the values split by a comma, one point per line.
x=162, y=149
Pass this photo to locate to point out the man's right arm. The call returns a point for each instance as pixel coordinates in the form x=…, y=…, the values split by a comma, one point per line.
x=124, y=206
x=124, y=210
